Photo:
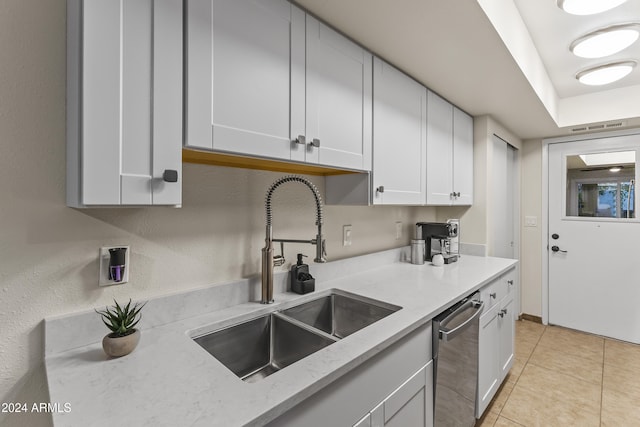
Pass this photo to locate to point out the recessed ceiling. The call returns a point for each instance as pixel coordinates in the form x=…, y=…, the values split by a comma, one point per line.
x=553, y=30
x=480, y=56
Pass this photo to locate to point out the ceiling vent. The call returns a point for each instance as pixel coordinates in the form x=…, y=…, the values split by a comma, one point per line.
x=600, y=126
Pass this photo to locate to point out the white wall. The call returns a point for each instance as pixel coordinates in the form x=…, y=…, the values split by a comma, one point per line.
x=531, y=265
x=48, y=252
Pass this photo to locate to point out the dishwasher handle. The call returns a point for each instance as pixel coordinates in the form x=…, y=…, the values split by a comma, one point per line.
x=449, y=334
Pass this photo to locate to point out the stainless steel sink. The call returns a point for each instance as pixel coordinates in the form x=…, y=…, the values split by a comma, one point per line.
x=259, y=347
x=340, y=314
x=255, y=349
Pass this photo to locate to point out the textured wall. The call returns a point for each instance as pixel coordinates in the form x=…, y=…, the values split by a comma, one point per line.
x=48, y=252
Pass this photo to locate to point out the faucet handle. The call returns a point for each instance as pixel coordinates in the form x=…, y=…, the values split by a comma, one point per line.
x=278, y=260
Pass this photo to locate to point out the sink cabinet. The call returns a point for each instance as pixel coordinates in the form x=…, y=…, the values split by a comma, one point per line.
x=393, y=388
x=124, y=102
x=496, y=338
x=449, y=154
x=264, y=79
x=410, y=405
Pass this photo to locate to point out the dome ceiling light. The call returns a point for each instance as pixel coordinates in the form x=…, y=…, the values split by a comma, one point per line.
x=587, y=7
x=606, y=73
x=606, y=41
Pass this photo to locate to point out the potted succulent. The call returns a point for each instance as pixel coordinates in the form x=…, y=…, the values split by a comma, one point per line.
x=121, y=321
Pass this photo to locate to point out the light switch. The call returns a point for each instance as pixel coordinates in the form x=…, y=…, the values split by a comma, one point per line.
x=346, y=235
x=530, y=221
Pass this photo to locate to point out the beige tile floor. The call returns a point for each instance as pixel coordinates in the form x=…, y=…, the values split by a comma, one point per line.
x=562, y=377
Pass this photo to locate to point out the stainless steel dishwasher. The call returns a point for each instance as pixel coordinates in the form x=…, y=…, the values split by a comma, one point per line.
x=455, y=356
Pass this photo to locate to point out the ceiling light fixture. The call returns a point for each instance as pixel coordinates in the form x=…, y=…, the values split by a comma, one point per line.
x=588, y=7
x=606, y=41
x=606, y=73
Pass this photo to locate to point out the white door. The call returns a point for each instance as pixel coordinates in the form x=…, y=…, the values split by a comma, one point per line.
x=593, y=237
x=399, y=137
x=338, y=99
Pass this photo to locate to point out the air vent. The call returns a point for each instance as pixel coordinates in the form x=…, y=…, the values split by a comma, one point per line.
x=600, y=126
x=615, y=125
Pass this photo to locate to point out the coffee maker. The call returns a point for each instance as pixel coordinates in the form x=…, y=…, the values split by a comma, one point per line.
x=438, y=237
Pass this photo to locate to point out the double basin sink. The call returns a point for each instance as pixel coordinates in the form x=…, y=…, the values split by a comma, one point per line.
x=256, y=348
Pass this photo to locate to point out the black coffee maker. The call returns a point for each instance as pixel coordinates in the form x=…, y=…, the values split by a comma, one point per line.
x=442, y=232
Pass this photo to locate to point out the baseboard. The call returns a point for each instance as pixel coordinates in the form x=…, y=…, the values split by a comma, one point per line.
x=531, y=318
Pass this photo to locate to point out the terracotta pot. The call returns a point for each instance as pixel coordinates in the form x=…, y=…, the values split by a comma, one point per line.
x=116, y=346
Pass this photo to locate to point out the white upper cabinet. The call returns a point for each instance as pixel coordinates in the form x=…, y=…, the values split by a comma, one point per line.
x=124, y=102
x=338, y=99
x=462, y=157
x=449, y=153
x=399, y=137
x=241, y=56
x=263, y=79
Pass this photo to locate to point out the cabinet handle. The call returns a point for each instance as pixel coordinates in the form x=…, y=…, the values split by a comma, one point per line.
x=380, y=189
x=510, y=282
x=300, y=140
x=457, y=194
x=315, y=142
x=493, y=295
x=503, y=312
x=170, y=175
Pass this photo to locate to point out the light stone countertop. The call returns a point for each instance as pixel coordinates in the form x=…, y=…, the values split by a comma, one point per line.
x=169, y=380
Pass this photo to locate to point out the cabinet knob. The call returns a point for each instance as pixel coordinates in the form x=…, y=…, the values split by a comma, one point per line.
x=380, y=189
x=510, y=282
x=170, y=175
x=503, y=312
x=492, y=295
x=457, y=194
x=315, y=142
x=300, y=140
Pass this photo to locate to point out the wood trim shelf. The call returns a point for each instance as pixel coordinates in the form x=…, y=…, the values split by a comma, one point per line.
x=235, y=161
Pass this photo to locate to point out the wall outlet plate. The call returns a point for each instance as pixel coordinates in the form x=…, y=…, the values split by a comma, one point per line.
x=346, y=235
x=103, y=266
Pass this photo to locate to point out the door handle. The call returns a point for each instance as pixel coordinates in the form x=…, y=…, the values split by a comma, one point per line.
x=557, y=249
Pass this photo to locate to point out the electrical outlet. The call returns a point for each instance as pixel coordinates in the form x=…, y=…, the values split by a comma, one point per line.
x=530, y=221
x=398, y=230
x=346, y=235
x=103, y=264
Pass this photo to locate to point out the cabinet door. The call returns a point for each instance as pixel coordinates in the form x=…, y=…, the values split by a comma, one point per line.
x=439, y=150
x=506, y=326
x=410, y=405
x=338, y=102
x=124, y=99
x=241, y=56
x=399, y=137
x=462, y=157
x=488, y=353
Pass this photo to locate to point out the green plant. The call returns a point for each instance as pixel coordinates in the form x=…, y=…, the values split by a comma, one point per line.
x=121, y=321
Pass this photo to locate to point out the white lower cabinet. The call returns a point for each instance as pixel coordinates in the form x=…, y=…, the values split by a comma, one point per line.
x=495, y=339
x=394, y=388
x=409, y=405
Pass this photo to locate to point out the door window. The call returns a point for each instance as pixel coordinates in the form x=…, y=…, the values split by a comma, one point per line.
x=601, y=185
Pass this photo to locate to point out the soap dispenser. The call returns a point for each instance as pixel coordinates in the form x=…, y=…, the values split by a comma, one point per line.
x=301, y=281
